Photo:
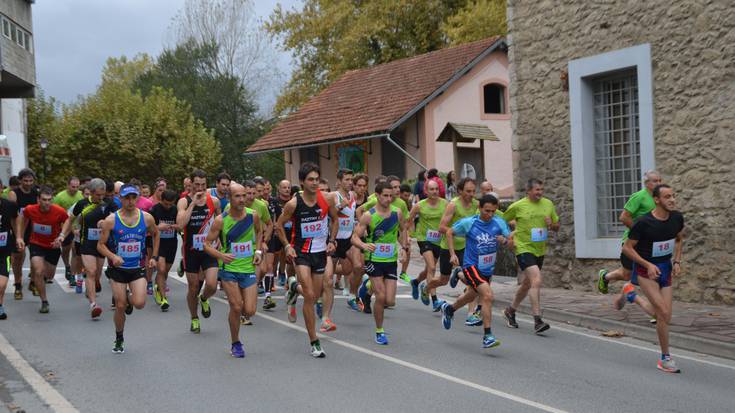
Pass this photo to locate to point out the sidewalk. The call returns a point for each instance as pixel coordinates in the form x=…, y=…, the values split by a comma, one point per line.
x=707, y=329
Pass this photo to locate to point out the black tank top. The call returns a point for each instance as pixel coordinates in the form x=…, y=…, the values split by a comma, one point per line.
x=201, y=219
x=310, y=225
x=25, y=199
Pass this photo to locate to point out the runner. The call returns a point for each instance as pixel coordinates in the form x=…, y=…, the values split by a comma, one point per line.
x=77, y=268
x=463, y=206
x=275, y=248
x=312, y=239
x=145, y=191
x=239, y=234
x=385, y=227
x=8, y=215
x=534, y=216
x=145, y=204
x=66, y=199
x=126, y=231
x=361, y=197
x=159, y=188
x=222, y=190
x=265, y=279
x=429, y=212
x=195, y=214
x=46, y=221
x=482, y=233
x=653, y=241
x=639, y=204
x=13, y=184
x=24, y=195
x=164, y=213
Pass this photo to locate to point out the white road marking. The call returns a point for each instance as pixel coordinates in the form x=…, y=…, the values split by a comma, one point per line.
x=45, y=391
x=407, y=364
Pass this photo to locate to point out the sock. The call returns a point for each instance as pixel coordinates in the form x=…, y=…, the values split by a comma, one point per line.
x=353, y=296
x=664, y=356
x=315, y=342
x=488, y=331
x=268, y=282
x=118, y=335
x=236, y=342
x=478, y=308
x=415, y=281
x=449, y=310
x=380, y=330
x=18, y=286
x=433, y=298
x=511, y=310
x=537, y=319
x=44, y=301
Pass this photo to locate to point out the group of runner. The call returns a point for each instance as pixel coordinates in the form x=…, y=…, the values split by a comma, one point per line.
x=309, y=240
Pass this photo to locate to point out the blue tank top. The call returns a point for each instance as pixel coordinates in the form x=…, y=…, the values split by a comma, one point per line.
x=128, y=242
x=222, y=201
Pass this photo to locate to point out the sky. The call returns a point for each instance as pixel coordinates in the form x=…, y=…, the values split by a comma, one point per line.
x=74, y=38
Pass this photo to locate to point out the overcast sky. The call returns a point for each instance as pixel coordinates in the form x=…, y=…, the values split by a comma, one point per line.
x=73, y=38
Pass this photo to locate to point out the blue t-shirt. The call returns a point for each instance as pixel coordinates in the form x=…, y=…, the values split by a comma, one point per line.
x=481, y=247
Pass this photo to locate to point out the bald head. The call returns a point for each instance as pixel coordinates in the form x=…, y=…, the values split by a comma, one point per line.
x=240, y=196
x=486, y=187
x=432, y=189
x=284, y=189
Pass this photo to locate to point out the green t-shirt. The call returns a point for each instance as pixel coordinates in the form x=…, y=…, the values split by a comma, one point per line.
x=429, y=220
x=386, y=244
x=260, y=207
x=398, y=203
x=459, y=213
x=5, y=192
x=64, y=200
x=531, y=230
x=242, y=244
x=639, y=204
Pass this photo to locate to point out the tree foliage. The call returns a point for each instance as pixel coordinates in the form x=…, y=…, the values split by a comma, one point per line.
x=478, y=20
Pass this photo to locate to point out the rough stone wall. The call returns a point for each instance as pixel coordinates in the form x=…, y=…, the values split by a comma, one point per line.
x=693, y=62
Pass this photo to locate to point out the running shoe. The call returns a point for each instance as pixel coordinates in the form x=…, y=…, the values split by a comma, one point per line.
x=164, y=305
x=628, y=294
x=668, y=365
x=32, y=288
x=44, y=308
x=118, y=347
x=79, y=284
x=327, y=325
x=540, y=326
x=602, y=282
x=18, y=295
x=319, y=308
x=366, y=305
x=510, y=318
x=292, y=313
x=237, y=350
x=405, y=278
x=96, y=311
x=97, y=286
x=293, y=292
x=180, y=269
x=363, y=291
x=281, y=279
x=3, y=314
x=424, y=294
x=489, y=341
x=157, y=294
x=454, y=278
x=353, y=304
x=446, y=318
x=269, y=303
x=473, y=320
x=415, y=289
x=49, y=281
x=67, y=274
x=149, y=288
x=437, y=305
x=346, y=292
x=244, y=321
x=316, y=350
x=206, y=311
x=381, y=339
x=195, y=327
x=129, y=308
x=653, y=320
x=261, y=290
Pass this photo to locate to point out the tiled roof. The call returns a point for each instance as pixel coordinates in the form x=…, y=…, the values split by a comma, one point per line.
x=369, y=101
x=466, y=132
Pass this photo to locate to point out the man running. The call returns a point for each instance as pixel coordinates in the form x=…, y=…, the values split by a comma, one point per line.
x=46, y=221
x=24, y=195
x=164, y=214
x=385, y=227
x=126, y=231
x=463, y=206
x=66, y=199
x=482, y=235
x=639, y=204
x=275, y=248
x=239, y=234
x=315, y=226
x=535, y=216
x=8, y=216
x=90, y=213
x=221, y=190
x=653, y=241
x=428, y=236
x=265, y=279
x=195, y=214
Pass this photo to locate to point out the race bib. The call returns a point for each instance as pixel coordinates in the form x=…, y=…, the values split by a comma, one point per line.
x=288, y=225
x=345, y=227
x=129, y=249
x=539, y=234
x=433, y=235
x=3, y=239
x=21, y=211
x=93, y=234
x=384, y=250
x=42, y=229
x=314, y=229
x=242, y=249
x=198, y=241
x=486, y=262
x=168, y=234
x=663, y=248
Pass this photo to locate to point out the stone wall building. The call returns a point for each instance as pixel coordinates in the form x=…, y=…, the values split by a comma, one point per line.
x=603, y=91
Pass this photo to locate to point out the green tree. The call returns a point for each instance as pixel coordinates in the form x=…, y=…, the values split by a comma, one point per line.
x=479, y=19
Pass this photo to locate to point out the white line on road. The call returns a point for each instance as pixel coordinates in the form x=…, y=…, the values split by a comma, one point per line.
x=45, y=391
x=410, y=365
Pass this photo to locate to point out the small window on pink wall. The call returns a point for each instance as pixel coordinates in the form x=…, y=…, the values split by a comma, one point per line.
x=493, y=99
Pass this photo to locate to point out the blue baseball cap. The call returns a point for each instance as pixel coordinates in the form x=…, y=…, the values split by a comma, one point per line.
x=128, y=189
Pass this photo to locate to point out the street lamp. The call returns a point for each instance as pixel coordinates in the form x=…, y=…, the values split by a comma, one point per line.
x=44, y=145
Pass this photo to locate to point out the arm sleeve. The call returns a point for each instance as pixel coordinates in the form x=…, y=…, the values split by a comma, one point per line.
x=503, y=226
x=510, y=213
x=463, y=226
x=633, y=203
x=637, y=230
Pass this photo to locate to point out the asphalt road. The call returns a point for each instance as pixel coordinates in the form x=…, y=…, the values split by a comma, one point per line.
x=166, y=368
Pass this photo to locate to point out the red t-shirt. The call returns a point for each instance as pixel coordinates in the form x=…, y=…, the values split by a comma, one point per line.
x=45, y=226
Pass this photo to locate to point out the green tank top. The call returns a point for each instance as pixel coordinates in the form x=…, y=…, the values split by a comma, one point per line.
x=459, y=213
x=429, y=219
x=238, y=238
x=383, y=232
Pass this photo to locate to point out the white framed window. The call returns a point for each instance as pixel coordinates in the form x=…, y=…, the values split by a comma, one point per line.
x=27, y=41
x=6, y=28
x=611, y=117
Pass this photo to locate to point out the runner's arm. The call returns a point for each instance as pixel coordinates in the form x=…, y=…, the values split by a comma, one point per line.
x=446, y=218
x=288, y=210
x=184, y=210
x=412, y=218
x=362, y=224
x=150, y=224
x=333, y=219
x=678, y=246
x=259, y=236
x=212, y=236
x=107, y=225
x=20, y=230
x=403, y=233
x=626, y=218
